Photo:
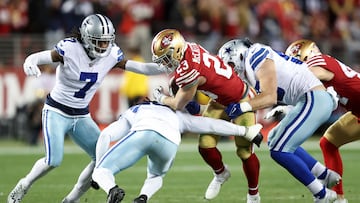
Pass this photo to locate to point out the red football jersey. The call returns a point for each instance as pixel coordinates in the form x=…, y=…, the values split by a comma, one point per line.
x=346, y=81
x=222, y=83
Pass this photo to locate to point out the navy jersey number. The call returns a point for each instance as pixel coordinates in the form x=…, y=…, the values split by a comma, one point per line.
x=91, y=79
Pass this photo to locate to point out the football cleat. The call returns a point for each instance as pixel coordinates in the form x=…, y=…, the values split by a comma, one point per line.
x=68, y=201
x=343, y=200
x=253, y=198
x=332, y=178
x=116, y=195
x=18, y=193
x=215, y=185
x=253, y=134
x=141, y=199
x=94, y=184
x=330, y=196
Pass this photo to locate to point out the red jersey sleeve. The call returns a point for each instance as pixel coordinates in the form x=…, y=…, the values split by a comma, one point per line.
x=346, y=81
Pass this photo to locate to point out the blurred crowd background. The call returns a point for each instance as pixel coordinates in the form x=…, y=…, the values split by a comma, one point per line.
x=27, y=26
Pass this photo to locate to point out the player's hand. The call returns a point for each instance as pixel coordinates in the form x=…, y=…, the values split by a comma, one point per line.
x=281, y=109
x=334, y=96
x=233, y=110
x=31, y=69
x=193, y=107
x=158, y=94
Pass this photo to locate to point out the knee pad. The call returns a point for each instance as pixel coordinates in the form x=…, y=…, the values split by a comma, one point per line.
x=244, y=152
x=208, y=141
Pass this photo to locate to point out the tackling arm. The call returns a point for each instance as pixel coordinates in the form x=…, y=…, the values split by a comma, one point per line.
x=142, y=68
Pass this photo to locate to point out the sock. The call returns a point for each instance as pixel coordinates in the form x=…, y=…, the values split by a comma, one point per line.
x=213, y=158
x=333, y=161
x=251, y=167
x=83, y=184
x=151, y=186
x=104, y=178
x=39, y=169
x=317, y=169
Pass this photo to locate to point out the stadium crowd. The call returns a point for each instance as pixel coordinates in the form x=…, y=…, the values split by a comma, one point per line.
x=333, y=24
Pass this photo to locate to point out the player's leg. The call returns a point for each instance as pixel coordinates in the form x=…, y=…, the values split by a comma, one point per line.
x=346, y=129
x=54, y=128
x=122, y=155
x=85, y=133
x=299, y=124
x=210, y=153
x=160, y=159
x=251, y=164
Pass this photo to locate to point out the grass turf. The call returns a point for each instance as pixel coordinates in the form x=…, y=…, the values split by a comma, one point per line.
x=185, y=182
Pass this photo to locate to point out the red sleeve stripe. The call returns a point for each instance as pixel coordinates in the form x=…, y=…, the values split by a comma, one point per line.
x=316, y=61
x=187, y=78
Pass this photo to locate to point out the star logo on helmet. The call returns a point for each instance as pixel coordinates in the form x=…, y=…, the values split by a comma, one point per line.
x=228, y=50
x=166, y=41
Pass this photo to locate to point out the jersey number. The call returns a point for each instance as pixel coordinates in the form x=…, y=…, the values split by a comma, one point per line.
x=91, y=79
x=223, y=71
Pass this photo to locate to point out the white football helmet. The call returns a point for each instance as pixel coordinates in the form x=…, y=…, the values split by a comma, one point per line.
x=96, y=29
x=303, y=49
x=168, y=48
x=232, y=53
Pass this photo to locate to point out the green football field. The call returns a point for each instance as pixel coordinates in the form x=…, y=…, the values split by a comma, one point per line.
x=186, y=181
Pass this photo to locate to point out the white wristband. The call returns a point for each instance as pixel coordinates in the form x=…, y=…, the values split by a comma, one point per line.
x=245, y=107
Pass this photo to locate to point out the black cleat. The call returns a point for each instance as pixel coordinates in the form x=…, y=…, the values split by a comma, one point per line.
x=94, y=184
x=140, y=199
x=115, y=195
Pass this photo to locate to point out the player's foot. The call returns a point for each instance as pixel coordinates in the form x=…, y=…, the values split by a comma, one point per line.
x=141, y=199
x=215, y=185
x=253, y=134
x=115, y=195
x=18, y=193
x=342, y=200
x=332, y=178
x=329, y=197
x=253, y=198
x=69, y=201
x=94, y=184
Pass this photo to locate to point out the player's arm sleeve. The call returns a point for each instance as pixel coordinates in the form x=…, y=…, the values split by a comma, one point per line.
x=115, y=131
x=144, y=68
x=202, y=125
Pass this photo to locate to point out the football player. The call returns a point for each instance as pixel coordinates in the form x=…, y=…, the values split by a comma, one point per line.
x=153, y=130
x=84, y=60
x=194, y=68
x=346, y=83
x=279, y=78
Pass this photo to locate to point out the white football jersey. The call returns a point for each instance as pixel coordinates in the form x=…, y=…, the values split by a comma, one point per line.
x=79, y=77
x=293, y=76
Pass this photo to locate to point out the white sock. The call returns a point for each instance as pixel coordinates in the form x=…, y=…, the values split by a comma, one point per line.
x=104, y=178
x=151, y=186
x=39, y=169
x=83, y=183
x=318, y=169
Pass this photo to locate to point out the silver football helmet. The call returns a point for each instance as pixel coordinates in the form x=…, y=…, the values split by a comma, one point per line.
x=232, y=53
x=98, y=35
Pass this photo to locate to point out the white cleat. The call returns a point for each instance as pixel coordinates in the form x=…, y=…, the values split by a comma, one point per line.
x=253, y=198
x=18, y=193
x=215, y=185
x=68, y=201
x=253, y=134
x=343, y=200
x=332, y=178
x=330, y=197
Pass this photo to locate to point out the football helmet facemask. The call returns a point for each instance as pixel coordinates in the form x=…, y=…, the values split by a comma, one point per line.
x=97, y=34
x=303, y=49
x=232, y=53
x=168, y=48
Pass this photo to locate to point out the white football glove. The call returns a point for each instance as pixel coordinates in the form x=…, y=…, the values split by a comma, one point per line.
x=158, y=94
x=277, y=110
x=31, y=69
x=334, y=96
